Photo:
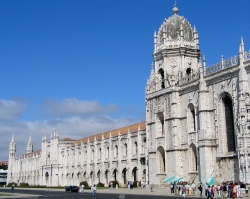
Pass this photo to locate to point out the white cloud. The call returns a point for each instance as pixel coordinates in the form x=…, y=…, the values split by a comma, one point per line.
x=12, y=109
x=75, y=119
x=73, y=106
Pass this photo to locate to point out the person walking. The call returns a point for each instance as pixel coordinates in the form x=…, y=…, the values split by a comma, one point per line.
x=209, y=192
x=94, y=191
x=200, y=189
x=82, y=188
x=12, y=188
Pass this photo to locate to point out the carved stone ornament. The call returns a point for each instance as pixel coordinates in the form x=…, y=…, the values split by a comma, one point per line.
x=189, y=62
x=223, y=85
x=247, y=99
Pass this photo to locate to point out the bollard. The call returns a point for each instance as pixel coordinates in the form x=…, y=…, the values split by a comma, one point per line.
x=116, y=186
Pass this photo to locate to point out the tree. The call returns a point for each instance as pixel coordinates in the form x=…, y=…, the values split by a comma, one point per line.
x=4, y=166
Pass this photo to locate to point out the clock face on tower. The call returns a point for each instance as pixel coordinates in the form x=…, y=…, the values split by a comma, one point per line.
x=173, y=64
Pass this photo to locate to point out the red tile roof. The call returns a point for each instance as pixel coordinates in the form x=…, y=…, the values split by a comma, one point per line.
x=114, y=133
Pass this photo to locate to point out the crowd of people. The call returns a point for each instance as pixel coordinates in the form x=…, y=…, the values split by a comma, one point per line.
x=221, y=190
x=142, y=184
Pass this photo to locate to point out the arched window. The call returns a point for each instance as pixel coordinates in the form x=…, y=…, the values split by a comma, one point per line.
x=193, y=158
x=125, y=150
x=144, y=145
x=135, y=148
x=161, y=159
x=85, y=156
x=116, y=151
x=161, y=72
x=93, y=154
x=161, y=124
x=100, y=153
x=228, y=106
x=107, y=153
x=191, y=118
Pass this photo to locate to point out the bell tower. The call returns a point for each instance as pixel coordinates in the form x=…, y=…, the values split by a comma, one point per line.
x=12, y=156
x=176, y=63
x=176, y=52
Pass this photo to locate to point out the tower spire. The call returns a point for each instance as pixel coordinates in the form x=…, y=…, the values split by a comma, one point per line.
x=12, y=148
x=29, y=148
x=12, y=139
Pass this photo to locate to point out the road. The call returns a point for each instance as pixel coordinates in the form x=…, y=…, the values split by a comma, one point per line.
x=101, y=194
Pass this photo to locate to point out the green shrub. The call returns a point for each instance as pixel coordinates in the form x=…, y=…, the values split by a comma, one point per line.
x=86, y=185
x=115, y=183
x=10, y=184
x=23, y=184
x=100, y=184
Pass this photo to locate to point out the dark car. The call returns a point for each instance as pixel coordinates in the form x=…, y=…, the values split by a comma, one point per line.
x=72, y=188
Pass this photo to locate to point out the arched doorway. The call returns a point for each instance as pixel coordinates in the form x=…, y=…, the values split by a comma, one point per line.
x=72, y=179
x=144, y=174
x=106, y=177
x=47, y=179
x=99, y=176
x=79, y=177
x=84, y=176
x=91, y=178
x=114, y=174
x=134, y=173
x=124, y=175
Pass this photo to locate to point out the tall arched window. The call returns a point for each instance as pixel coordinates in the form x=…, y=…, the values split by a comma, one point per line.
x=135, y=148
x=125, y=150
x=229, y=124
x=107, y=153
x=116, y=151
x=144, y=145
x=85, y=156
x=161, y=72
x=192, y=158
x=161, y=123
x=93, y=154
x=161, y=159
x=100, y=153
x=191, y=118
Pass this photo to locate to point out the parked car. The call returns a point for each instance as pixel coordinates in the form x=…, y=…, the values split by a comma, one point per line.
x=72, y=188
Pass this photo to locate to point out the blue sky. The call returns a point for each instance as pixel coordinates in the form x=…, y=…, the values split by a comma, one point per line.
x=80, y=67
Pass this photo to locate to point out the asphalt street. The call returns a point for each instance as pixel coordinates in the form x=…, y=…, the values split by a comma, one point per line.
x=121, y=193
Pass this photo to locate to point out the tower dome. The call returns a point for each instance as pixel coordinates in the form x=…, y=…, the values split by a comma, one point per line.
x=173, y=27
x=176, y=31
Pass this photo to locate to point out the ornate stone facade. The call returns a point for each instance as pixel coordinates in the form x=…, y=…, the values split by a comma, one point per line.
x=115, y=155
x=198, y=117
x=197, y=125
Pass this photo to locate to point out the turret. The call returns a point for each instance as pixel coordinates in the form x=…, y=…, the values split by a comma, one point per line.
x=29, y=148
x=243, y=82
x=12, y=148
x=12, y=156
